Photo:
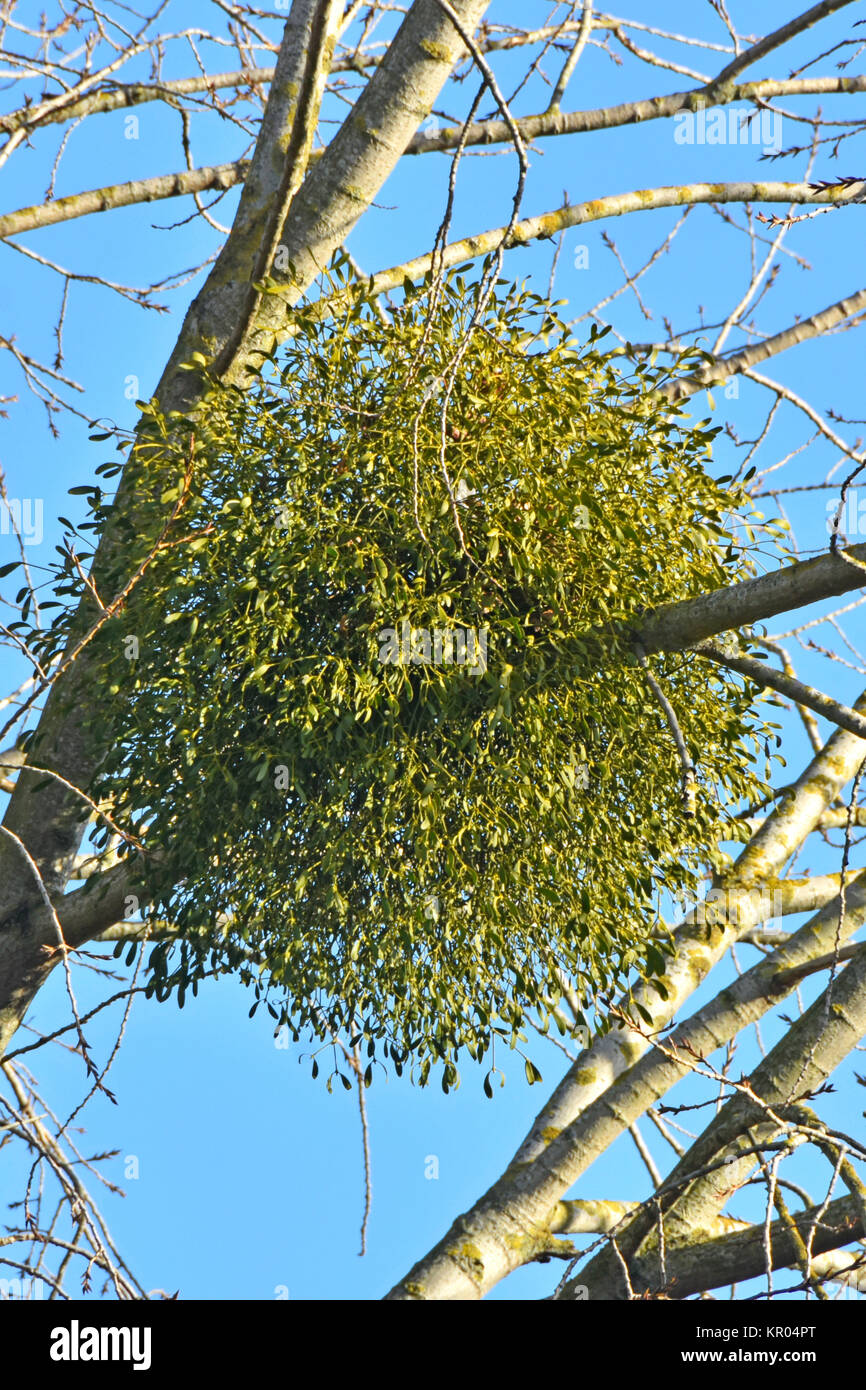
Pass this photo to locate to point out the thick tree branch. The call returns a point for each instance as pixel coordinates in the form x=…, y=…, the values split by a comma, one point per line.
x=220, y=318
x=363, y=153
x=768, y=677
x=549, y=224
x=732, y=1258
x=712, y=1248
x=725, y=367
x=29, y=949
x=799, y=1063
x=727, y=1014
x=123, y=195
x=223, y=176
x=504, y=1226
x=690, y=621
x=551, y=123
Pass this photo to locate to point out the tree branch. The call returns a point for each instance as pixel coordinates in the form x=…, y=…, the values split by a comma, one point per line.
x=547, y=224
x=767, y=676
x=503, y=1227
x=690, y=621
x=123, y=195
x=724, y=367
x=799, y=1063
x=730, y=1259
x=29, y=949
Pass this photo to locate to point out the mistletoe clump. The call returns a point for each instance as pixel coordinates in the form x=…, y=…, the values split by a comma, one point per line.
x=382, y=731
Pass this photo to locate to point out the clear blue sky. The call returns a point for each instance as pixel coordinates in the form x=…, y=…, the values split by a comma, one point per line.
x=250, y=1174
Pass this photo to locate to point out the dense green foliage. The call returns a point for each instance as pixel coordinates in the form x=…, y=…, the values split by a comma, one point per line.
x=406, y=849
